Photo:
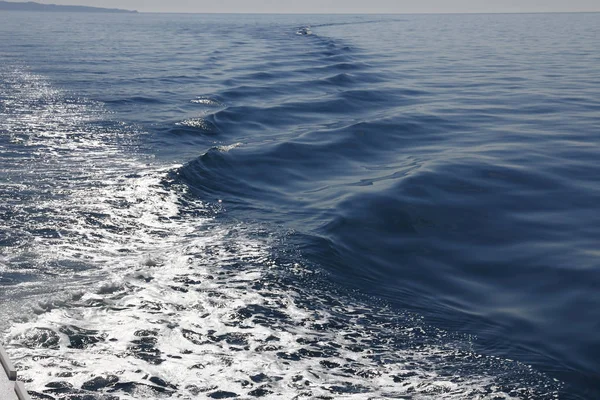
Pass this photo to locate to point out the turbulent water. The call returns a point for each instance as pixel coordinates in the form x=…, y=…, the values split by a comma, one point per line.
x=288, y=207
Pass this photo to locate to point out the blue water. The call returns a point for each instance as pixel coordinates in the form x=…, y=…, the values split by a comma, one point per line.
x=401, y=206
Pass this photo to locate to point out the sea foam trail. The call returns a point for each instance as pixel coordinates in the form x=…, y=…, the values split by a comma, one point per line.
x=163, y=296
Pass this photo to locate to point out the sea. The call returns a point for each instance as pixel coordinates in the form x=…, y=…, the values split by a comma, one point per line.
x=301, y=206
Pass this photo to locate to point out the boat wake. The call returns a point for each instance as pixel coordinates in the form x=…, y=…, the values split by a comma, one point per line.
x=137, y=289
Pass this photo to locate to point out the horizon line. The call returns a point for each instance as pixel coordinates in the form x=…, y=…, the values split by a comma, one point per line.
x=368, y=13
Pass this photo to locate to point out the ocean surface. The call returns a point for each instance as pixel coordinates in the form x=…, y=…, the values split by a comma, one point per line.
x=307, y=206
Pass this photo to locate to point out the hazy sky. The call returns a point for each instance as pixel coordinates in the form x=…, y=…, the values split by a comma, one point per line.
x=341, y=6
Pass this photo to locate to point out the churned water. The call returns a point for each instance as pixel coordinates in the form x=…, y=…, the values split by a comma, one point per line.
x=288, y=207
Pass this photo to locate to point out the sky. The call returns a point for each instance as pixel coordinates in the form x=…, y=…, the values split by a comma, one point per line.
x=341, y=6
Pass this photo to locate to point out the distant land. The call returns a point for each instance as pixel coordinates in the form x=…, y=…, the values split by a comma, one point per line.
x=32, y=6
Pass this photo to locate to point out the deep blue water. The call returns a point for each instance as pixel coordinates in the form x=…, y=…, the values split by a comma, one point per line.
x=401, y=206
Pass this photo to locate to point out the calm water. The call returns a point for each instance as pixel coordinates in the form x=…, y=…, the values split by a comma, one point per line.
x=217, y=206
